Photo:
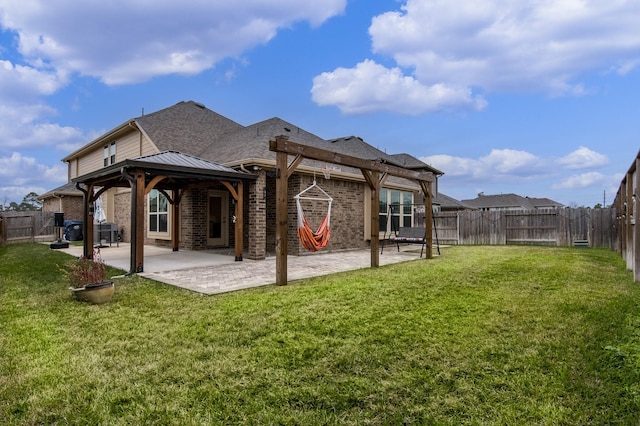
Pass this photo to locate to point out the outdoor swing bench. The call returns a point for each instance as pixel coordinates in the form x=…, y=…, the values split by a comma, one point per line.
x=410, y=236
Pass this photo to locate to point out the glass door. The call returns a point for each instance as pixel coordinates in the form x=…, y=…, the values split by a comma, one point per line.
x=218, y=218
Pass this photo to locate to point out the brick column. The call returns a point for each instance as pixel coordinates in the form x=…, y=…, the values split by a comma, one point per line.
x=256, y=216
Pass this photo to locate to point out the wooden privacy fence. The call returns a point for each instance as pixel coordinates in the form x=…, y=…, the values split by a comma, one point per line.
x=627, y=204
x=557, y=227
x=20, y=227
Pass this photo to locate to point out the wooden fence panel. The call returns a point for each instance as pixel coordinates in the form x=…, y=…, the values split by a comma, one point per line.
x=20, y=227
x=561, y=227
x=535, y=227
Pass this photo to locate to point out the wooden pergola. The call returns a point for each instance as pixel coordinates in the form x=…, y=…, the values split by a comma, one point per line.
x=172, y=174
x=374, y=171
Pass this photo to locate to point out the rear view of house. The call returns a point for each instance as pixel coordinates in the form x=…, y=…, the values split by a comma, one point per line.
x=209, y=182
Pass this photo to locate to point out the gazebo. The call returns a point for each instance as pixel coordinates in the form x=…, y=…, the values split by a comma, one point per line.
x=170, y=172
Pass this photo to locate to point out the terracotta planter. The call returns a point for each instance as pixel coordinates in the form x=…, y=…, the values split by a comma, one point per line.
x=94, y=293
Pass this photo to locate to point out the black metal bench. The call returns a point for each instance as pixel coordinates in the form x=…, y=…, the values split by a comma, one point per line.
x=410, y=236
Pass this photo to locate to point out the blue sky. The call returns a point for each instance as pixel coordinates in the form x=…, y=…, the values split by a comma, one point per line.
x=537, y=98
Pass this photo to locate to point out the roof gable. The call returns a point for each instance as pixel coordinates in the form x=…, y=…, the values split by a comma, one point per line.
x=186, y=127
x=410, y=162
x=252, y=142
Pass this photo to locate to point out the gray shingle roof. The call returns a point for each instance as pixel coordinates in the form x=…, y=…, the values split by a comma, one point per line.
x=252, y=142
x=189, y=127
x=504, y=201
x=66, y=189
x=449, y=203
x=186, y=127
x=411, y=162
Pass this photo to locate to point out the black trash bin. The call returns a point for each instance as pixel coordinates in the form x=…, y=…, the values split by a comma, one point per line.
x=73, y=230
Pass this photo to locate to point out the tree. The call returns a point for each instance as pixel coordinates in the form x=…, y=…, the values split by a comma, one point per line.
x=30, y=202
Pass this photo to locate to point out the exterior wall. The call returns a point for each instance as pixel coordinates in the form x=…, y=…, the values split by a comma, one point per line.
x=122, y=213
x=193, y=220
x=347, y=214
x=70, y=205
x=131, y=145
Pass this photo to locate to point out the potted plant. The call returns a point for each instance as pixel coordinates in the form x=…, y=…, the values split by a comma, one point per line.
x=87, y=280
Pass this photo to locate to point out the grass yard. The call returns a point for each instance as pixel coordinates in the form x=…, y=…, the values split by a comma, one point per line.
x=481, y=335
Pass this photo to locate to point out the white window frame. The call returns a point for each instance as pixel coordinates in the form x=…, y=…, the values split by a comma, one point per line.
x=403, y=201
x=154, y=212
x=109, y=154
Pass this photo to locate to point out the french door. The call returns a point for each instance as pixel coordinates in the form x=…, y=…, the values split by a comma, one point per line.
x=218, y=218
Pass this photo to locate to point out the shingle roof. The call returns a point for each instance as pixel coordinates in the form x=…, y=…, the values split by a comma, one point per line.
x=444, y=201
x=66, y=189
x=411, y=162
x=510, y=201
x=186, y=127
x=252, y=142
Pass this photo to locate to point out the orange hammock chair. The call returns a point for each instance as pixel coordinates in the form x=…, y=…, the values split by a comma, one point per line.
x=310, y=239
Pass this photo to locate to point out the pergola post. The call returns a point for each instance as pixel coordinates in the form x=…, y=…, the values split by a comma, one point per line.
x=428, y=219
x=87, y=221
x=137, y=200
x=239, y=228
x=175, y=230
x=373, y=180
x=282, y=188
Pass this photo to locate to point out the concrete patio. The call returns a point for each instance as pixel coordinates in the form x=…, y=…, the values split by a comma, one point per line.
x=212, y=272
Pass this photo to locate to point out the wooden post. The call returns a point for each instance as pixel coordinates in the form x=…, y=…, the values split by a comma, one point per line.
x=375, y=219
x=635, y=199
x=175, y=227
x=87, y=222
x=428, y=219
x=282, y=180
x=239, y=227
x=629, y=255
x=138, y=233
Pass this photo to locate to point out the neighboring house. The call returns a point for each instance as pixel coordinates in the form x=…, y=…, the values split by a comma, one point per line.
x=444, y=203
x=510, y=202
x=188, y=133
x=66, y=198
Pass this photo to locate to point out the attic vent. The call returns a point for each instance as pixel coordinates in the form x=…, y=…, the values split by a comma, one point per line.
x=287, y=129
x=199, y=105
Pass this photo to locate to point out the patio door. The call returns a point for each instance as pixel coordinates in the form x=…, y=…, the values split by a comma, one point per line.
x=218, y=219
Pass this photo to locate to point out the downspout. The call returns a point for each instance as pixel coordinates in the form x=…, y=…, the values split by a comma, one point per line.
x=134, y=220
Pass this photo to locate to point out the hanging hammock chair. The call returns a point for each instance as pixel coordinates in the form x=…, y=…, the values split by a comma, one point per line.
x=310, y=239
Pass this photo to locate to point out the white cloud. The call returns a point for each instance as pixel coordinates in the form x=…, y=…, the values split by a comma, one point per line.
x=18, y=171
x=583, y=158
x=370, y=87
x=25, y=127
x=583, y=180
x=489, y=46
x=131, y=41
x=28, y=81
x=494, y=166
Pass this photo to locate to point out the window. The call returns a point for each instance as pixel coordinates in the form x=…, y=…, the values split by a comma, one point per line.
x=396, y=209
x=158, y=221
x=109, y=154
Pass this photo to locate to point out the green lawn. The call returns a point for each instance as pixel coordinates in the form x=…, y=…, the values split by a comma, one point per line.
x=480, y=335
